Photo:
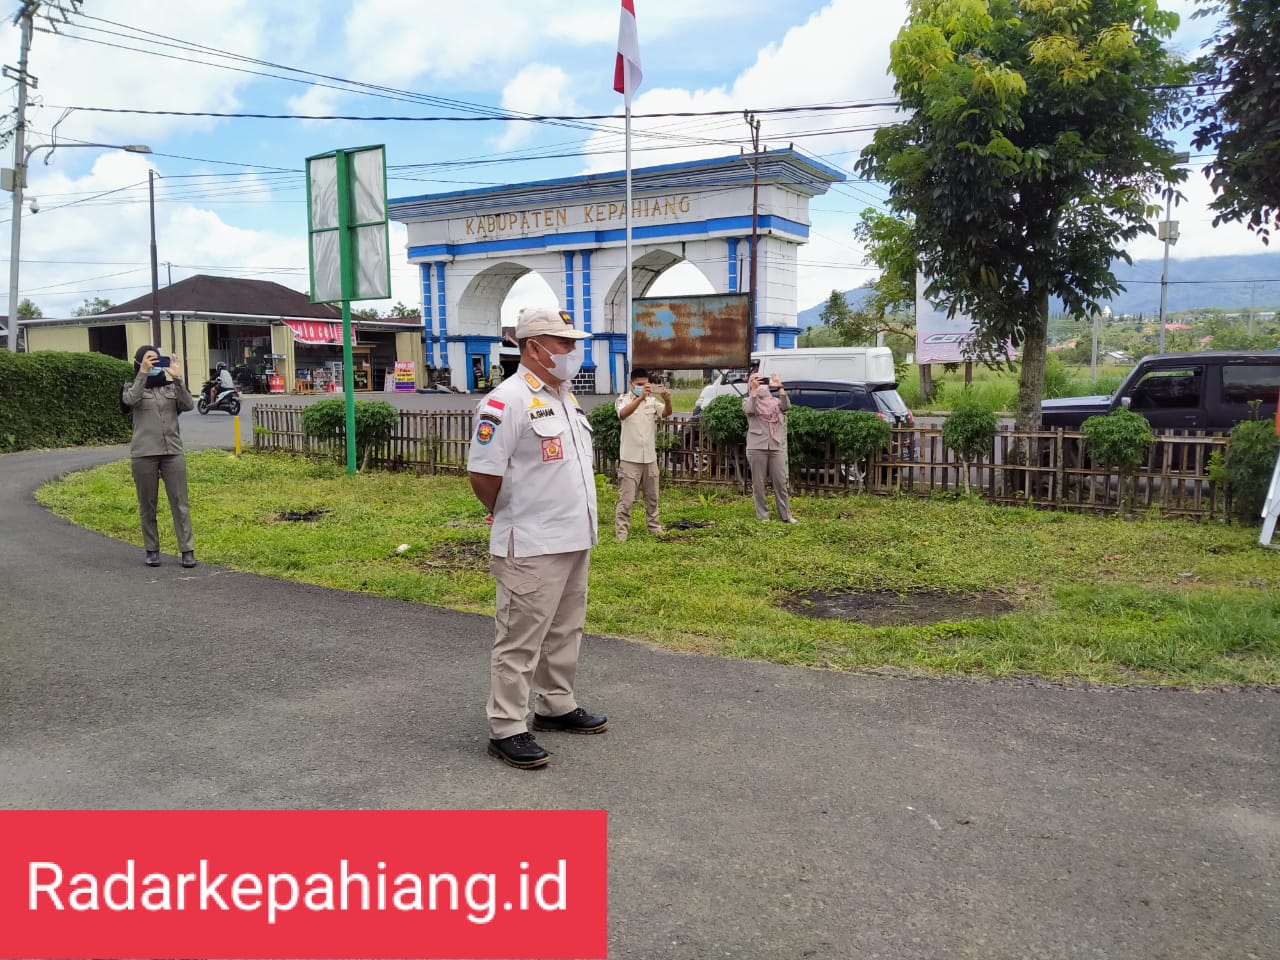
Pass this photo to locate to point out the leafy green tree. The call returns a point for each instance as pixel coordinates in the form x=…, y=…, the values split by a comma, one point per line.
x=890, y=303
x=28, y=310
x=1238, y=122
x=836, y=310
x=364, y=313
x=401, y=312
x=1034, y=134
x=92, y=306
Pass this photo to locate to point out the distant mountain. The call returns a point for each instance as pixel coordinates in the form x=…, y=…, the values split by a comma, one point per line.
x=1232, y=283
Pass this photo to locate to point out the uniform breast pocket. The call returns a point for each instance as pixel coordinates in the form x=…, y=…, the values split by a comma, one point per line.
x=551, y=434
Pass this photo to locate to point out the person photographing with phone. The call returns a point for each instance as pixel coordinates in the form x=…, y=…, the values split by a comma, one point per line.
x=767, y=443
x=155, y=397
x=639, y=409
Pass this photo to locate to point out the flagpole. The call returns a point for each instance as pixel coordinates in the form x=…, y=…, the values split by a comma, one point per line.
x=627, y=263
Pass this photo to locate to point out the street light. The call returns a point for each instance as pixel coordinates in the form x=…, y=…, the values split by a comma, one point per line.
x=1168, y=232
x=16, y=180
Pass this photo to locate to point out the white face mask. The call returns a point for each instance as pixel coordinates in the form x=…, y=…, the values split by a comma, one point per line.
x=564, y=366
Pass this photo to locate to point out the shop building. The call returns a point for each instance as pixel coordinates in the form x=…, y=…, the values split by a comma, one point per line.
x=273, y=337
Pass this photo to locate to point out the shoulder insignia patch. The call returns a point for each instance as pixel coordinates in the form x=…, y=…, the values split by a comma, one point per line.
x=533, y=382
x=484, y=433
x=490, y=417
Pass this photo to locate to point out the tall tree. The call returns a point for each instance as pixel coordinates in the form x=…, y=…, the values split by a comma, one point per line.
x=1033, y=138
x=90, y=307
x=28, y=310
x=1240, y=119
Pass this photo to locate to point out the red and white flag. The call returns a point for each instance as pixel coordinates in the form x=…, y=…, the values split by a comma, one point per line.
x=626, y=71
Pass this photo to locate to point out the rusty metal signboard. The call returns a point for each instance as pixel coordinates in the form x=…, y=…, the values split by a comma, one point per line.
x=686, y=333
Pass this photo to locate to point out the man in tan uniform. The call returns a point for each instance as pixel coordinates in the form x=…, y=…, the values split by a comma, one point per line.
x=531, y=466
x=639, y=410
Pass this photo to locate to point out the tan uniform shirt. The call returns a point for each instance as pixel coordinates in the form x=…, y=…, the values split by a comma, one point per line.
x=155, y=415
x=640, y=430
x=539, y=441
x=758, y=436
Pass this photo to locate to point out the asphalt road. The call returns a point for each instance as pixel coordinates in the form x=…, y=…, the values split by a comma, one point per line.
x=755, y=810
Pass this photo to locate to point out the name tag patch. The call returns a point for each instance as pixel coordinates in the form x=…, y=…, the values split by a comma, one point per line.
x=542, y=413
x=552, y=449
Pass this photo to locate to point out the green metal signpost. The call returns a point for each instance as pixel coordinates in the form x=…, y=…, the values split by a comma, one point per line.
x=348, y=244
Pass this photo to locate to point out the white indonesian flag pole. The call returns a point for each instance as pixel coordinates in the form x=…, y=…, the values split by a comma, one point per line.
x=626, y=80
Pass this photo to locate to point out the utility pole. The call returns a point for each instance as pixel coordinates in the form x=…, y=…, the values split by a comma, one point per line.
x=155, y=267
x=1253, y=298
x=26, y=15
x=753, y=122
x=1168, y=232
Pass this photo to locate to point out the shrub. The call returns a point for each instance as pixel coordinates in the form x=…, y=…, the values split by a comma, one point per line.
x=326, y=420
x=724, y=422
x=606, y=430
x=852, y=435
x=57, y=399
x=1057, y=378
x=1119, y=439
x=857, y=434
x=1243, y=471
x=970, y=431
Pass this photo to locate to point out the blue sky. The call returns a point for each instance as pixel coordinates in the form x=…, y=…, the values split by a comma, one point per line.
x=230, y=196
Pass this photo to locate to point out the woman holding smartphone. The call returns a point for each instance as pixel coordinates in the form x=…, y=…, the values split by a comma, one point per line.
x=767, y=444
x=155, y=397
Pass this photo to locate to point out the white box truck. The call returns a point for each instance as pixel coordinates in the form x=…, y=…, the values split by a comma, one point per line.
x=849, y=364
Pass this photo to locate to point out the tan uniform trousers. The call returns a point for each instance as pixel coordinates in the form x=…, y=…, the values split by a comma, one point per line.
x=541, y=610
x=147, y=474
x=770, y=464
x=645, y=477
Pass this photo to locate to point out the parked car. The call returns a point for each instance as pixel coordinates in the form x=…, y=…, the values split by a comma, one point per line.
x=882, y=399
x=844, y=364
x=1186, y=391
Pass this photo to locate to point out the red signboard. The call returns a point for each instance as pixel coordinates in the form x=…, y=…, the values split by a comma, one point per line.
x=317, y=331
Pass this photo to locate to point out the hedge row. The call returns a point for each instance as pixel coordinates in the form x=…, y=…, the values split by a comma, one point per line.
x=55, y=399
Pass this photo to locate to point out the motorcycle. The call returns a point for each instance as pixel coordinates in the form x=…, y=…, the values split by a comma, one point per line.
x=228, y=400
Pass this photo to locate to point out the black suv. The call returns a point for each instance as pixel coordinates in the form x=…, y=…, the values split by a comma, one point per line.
x=1184, y=391
x=882, y=399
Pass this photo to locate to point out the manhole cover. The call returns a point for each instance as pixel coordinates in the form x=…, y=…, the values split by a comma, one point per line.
x=888, y=608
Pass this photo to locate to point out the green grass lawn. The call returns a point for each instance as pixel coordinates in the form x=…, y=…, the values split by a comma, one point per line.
x=1099, y=599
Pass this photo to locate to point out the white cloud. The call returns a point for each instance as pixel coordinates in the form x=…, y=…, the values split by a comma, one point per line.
x=101, y=247
x=539, y=89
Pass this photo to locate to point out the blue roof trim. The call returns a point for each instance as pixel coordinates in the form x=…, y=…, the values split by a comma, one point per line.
x=599, y=237
x=774, y=159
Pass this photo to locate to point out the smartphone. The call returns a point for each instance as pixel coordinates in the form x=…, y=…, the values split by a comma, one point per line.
x=162, y=362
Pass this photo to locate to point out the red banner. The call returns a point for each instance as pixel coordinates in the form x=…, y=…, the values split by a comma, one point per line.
x=317, y=331
x=303, y=884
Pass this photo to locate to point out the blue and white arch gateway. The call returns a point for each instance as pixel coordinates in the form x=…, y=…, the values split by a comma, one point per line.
x=471, y=246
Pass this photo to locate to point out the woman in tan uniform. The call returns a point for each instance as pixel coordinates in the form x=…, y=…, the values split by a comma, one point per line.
x=767, y=444
x=156, y=396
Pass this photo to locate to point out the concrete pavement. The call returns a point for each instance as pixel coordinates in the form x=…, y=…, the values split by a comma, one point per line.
x=756, y=811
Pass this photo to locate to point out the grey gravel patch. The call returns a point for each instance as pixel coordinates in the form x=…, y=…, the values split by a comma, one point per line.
x=889, y=608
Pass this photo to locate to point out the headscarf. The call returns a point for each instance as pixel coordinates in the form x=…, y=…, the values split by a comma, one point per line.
x=769, y=409
x=157, y=373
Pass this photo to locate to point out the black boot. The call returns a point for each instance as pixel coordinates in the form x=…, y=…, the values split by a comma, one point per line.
x=521, y=751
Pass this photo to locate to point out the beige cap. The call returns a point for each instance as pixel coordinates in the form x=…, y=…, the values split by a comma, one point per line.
x=546, y=322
